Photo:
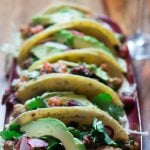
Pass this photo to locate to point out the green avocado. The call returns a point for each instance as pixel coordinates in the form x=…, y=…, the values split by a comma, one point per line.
x=63, y=15
x=55, y=128
x=47, y=49
x=77, y=41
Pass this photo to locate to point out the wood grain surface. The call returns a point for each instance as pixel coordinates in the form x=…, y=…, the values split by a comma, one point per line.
x=19, y=12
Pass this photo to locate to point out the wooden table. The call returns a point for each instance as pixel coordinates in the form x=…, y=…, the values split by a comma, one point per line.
x=18, y=12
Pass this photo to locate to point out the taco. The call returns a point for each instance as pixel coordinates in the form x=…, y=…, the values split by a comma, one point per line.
x=54, y=14
x=67, y=90
x=85, y=62
x=66, y=128
x=61, y=12
x=67, y=36
x=64, y=82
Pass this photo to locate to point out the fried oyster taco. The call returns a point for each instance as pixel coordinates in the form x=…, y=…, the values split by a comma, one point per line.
x=66, y=129
x=67, y=90
x=72, y=35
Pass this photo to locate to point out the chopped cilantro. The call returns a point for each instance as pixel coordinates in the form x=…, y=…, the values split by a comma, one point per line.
x=9, y=135
x=104, y=102
x=52, y=142
x=99, y=127
x=115, y=111
x=75, y=132
x=14, y=127
x=34, y=103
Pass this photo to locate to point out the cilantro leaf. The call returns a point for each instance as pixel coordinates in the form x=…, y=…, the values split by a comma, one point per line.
x=52, y=142
x=115, y=111
x=52, y=146
x=14, y=127
x=99, y=127
x=34, y=103
x=102, y=100
x=75, y=132
x=108, y=140
x=8, y=134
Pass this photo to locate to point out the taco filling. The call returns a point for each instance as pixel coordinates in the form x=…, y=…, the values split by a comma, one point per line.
x=52, y=99
x=62, y=41
x=63, y=15
x=42, y=21
x=88, y=70
x=102, y=101
x=53, y=134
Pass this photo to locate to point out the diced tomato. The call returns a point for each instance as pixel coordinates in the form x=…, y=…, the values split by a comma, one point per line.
x=47, y=68
x=54, y=101
x=36, y=29
x=75, y=32
x=104, y=67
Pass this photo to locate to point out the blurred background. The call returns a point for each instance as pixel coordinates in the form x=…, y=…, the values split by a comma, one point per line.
x=124, y=12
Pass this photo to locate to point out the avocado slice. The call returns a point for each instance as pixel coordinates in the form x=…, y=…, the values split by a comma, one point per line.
x=63, y=15
x=48, y=48
x=52, y=127
x=77, y=41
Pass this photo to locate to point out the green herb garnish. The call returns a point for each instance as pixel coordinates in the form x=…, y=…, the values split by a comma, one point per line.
x=99, y=127
x=34, y=103
x=104, y=102
x=9, y=135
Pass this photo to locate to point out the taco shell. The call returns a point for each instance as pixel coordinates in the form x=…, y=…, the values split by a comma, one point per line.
x=82, y=115
x=65, y=82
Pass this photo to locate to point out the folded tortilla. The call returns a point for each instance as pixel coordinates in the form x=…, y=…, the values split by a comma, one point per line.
x=85, y=55
x=86, y=26
x=82, y=115
x=58, y=6
x=65, y=82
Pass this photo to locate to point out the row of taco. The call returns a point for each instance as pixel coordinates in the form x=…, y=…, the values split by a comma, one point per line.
x=70, y=77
